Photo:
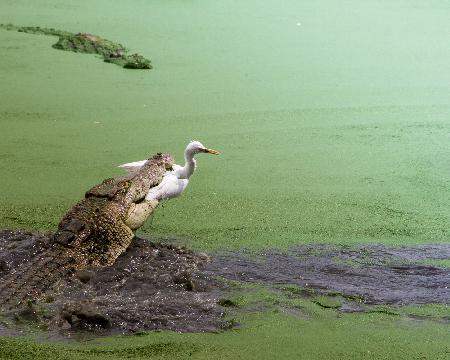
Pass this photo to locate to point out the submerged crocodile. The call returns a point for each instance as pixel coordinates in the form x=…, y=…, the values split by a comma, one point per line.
x=94, y=232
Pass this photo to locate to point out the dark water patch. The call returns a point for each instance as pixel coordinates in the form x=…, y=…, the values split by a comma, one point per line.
x=373, y=274
x=150, y=287
x=110, y=51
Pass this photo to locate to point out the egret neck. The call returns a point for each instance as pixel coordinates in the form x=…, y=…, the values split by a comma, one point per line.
x=188, y=169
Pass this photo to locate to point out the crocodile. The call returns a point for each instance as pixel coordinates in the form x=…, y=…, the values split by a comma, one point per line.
x=93, y=233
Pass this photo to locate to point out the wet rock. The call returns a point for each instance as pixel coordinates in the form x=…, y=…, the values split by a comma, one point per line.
x=84, y=275
x=3, y=266
x=82, y=316
x=28, y=314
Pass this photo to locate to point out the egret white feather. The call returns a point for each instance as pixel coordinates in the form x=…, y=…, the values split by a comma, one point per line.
x=175, y=180
x=132, y=166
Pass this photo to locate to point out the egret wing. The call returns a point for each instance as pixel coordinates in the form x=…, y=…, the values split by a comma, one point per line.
x=133, y=166
x=170, y=187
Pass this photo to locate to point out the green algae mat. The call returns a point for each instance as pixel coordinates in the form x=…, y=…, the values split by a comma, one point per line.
x=273, y=335
x=332, y=121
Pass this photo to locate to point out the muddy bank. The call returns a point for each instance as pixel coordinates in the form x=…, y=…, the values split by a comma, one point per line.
x=151, y=286
x=165, y=287
x=372, y=275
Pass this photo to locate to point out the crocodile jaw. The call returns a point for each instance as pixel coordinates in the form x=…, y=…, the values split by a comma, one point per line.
x=138, y=213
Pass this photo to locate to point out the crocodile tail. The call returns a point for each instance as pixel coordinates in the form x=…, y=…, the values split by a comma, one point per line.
x=34, y=277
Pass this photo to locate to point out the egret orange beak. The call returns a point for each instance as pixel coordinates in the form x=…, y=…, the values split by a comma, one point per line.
x=211, y=151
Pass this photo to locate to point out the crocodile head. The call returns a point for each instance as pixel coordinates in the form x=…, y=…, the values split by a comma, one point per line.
x=165, y=160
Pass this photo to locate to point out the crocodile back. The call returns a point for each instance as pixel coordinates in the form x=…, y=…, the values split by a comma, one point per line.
x=35, y=276
x=92, y=233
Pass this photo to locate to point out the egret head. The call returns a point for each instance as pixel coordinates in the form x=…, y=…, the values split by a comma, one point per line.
x=195, y=147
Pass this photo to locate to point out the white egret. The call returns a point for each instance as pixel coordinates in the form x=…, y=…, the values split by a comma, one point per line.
x=176, y=180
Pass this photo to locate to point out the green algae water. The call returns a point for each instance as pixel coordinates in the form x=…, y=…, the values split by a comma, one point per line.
x=332, y=119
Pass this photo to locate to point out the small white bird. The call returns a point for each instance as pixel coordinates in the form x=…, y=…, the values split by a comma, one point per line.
x=176, y=180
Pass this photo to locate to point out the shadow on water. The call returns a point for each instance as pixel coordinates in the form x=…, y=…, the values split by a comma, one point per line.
x=155, y=286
